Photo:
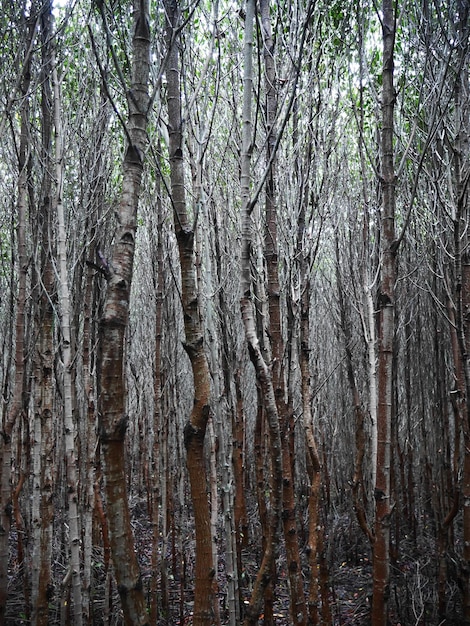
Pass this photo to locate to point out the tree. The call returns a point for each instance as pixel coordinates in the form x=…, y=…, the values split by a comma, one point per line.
x=262, y=370
x=68, y=392
x=195, y=429
x=275, y=330
x=113, y=323
x=42, y=506
x=382, y=494
x=303, y=209
x=17, y=403
x=461, y=177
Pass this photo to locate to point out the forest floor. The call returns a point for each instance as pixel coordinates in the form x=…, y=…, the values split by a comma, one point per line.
x=413, y=597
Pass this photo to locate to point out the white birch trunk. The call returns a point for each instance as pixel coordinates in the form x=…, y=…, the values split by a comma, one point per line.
x=225, y=452
x=36, y=521
x=372, y=376
x=69, y=425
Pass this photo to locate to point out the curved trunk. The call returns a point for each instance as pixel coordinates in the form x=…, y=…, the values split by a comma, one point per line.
x=263, y=373
x=195, y=429
x=112, y=397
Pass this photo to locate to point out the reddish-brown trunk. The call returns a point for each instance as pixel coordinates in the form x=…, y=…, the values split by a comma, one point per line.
x=261, y=448
x=103, y=523
x=112, y=395
x=317, y=575
x=195, y=429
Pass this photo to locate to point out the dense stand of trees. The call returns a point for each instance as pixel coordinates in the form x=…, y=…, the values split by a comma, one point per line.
x=235, y=312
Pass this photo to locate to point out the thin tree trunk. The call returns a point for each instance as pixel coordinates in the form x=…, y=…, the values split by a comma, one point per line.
x=314, y=472
x=261, y=451
x=368, y=310
x=195, y=429
x=223, y=394
x=157, y=473
x=262, y=370
x=16, y=405
x=298, y=610
x=113, y=324
x=238, y=430
x=316, y=585
x=232, y=451
x=87, y=281
x=461, y=162
x=370, y=335
x=457, y=396
x=44, y=443
x=89, y=417
x=382, y=494
x=357, y=486
x=69, y=424
x=43, y=446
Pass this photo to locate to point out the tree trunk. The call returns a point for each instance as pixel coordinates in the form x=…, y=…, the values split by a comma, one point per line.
x=263, y=373
x=43, y=435
x=69, y=424
x=113, y=324
x=383, y=509
x=157, y=471
x=43, y=442
x=16, y=405
x=314, y=472
x=461, y=162
x=298, y=610
x=224, y=413
x=195, y=429
x=301, y=302
x=357, y=486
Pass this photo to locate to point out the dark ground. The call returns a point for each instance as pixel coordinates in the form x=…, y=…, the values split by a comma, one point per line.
x=413, y=598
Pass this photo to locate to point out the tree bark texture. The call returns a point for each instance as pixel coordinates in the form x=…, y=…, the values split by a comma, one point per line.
x=195, y=429
x=16, y=404
x=44, y=388
x=461, y=163
x=314, y=473
x=298, y=608
x=382, y=494
x=112, y=394
x=357, y=486
x=68, y=390
x=263, y=373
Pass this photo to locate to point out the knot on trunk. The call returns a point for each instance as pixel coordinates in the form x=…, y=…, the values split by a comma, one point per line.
x=117, y=431
x=191, y=432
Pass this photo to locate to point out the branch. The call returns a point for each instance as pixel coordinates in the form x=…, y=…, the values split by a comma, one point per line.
x=298, y=65
x=105, y=87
